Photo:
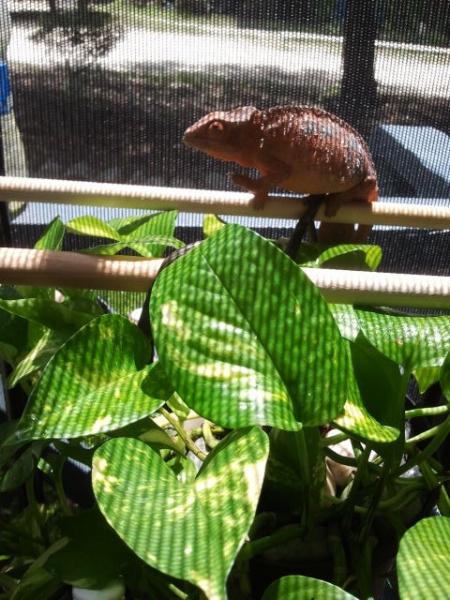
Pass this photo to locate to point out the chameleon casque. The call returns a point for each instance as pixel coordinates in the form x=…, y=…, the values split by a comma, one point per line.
x=298, y=148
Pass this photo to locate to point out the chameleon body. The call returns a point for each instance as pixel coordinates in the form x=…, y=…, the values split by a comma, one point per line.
x=298, y=148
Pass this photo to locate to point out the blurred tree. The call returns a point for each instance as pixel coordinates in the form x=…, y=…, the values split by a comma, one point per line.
x=359, y=89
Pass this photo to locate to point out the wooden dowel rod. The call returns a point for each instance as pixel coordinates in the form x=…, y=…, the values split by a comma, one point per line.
x=70, y=269
x=114, y=195
x=75, y=270
x=382, y=289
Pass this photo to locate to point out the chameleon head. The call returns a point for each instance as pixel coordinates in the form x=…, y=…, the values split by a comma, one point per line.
x=221, y=134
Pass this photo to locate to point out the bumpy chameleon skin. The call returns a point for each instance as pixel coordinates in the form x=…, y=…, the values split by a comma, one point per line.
x=298, y=148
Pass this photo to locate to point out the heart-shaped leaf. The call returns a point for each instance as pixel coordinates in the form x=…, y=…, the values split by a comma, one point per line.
x=98, y=381
x=423, y=560
x=191, y=531
x=246, y=338
x=298, y=587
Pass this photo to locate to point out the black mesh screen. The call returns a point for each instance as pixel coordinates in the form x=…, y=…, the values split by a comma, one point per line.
x=104, y=90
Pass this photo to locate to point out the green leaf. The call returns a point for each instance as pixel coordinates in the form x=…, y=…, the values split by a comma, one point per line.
x=36, y=584
x=144, y=246
x=414, y=342
x=212, y=224
x=426, y=376
x=21, y=469
x=295, y=473
x=445, y=377
x=350, y=256
x=52, y=237
x=357, y=420
x=246, y=338
x=92, y=226
x=346, y=319
x=299, y=587
x=43, y=311
x=38, y=357
x=191, y=531
x=380, y=394
x=94, y=554
x=423, y=560
x=13, y=336
x=134, y=228
x=97, y=381
x=161, y=225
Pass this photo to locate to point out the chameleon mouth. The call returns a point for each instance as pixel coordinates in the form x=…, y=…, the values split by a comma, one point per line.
x=196, y=141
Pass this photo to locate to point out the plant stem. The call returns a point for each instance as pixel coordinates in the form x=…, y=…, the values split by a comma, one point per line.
x=271, y=541
x=303, y=457
x=425, y=435
x=359, y=475
x=439, y=438
x=426, y=412
x=60, y=490
x=190, y=444
x=34, y=508
x=208, y=435
x=348, y=461
x=177, y=592
x=333, y=439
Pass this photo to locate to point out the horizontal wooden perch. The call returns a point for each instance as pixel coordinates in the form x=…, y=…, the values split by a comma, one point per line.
x=54, y=191
x=70, y=269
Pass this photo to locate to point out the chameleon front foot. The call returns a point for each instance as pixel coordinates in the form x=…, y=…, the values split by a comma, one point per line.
x=251, y=185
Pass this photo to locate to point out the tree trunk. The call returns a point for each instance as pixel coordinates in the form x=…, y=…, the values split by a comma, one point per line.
x=359, y=89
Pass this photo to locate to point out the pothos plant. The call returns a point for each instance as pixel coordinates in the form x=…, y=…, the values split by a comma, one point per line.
x=255, y=445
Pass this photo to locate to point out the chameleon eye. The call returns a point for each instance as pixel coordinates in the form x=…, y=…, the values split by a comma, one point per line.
x=216, y=127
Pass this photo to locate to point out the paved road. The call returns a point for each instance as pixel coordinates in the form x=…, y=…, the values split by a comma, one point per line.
x=422, y=72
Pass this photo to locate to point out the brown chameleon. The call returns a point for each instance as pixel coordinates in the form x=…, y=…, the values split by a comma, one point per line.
x=298, y=148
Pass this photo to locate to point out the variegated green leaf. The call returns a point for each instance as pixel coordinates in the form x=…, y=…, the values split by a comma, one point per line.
x=445, y=377
x=52, y=237
x=246, y=338
x=54, y=315
x=134, y=228
x=145, y=246
x=212, y=224
x=357, y=420
x=298, y=587
x=348, y=256
x=92, y=226
x=38, y=356
x=99, y=380
x=423, y=560
x=414, y=342
x=192, y=530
